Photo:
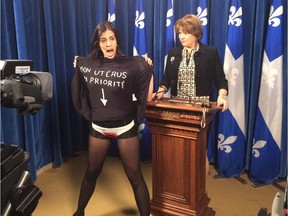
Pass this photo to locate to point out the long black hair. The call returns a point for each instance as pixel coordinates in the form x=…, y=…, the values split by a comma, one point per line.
x=100, y=28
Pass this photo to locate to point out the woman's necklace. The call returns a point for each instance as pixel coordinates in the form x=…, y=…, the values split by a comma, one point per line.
x=190, y=50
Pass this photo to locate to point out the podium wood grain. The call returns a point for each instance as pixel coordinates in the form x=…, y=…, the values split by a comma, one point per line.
x=179, y=157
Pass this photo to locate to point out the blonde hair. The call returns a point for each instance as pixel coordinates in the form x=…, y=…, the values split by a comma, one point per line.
x=190, y=24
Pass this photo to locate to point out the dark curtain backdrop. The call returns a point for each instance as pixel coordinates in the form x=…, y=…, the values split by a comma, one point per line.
x=51, y=33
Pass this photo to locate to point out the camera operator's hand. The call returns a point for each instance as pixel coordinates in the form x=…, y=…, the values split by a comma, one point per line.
x=75, y=61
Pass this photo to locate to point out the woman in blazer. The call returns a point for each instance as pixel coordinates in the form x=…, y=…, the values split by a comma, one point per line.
x=193, y=69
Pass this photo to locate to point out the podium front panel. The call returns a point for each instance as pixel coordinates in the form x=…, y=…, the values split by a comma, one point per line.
x=178, y=160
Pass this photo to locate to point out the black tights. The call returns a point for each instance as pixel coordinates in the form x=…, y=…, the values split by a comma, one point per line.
x=129, y=152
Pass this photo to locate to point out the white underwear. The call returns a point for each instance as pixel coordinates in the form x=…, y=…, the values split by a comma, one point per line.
x=113, y=132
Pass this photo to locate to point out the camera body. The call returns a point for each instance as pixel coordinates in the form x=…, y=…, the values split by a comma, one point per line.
x=22, y=88
x=26, y=90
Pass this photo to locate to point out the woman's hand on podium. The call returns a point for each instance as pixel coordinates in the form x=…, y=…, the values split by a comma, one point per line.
x=222, y=99
x=160, y=93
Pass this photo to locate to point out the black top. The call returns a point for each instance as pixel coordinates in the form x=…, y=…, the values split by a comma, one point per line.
x=111, y=89
x=208, y=70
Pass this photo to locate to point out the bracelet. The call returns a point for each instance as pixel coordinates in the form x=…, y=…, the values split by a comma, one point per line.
x=162, y=86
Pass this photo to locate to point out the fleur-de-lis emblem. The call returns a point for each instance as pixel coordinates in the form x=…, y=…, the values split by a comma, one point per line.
x=273, y=16
x=223, y=144
x=269, y=75
x=168, y=16
x=235, y=16
x=202, y=14
x=256, y=146
x=139, y=21
x=232, y=74
x=140, y=129
x=111, y=17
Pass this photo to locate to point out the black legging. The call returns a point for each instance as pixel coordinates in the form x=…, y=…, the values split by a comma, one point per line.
x=130, y=156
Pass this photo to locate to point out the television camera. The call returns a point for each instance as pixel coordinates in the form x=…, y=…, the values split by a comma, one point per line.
x=22, y=88
x=27, y=91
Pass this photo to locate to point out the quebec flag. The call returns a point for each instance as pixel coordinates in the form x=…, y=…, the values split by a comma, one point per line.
x=266, y=149
x=139, y=48
x=202, y=13
x=140, y=32
x=111, y=11
x=170, y=35
x=231, y=128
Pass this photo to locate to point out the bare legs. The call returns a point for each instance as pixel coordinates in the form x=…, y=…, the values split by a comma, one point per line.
x=129, y=152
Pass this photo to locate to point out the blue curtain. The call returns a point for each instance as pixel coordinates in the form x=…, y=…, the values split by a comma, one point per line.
x=51, y=33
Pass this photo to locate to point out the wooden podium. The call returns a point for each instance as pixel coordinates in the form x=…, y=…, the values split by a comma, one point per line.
x=179, y=157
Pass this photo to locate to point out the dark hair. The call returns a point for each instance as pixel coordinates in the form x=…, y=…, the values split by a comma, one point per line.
x=100, y=28
x=190, y=24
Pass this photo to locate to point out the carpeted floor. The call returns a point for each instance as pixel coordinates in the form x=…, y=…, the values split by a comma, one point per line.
x=113, y=195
